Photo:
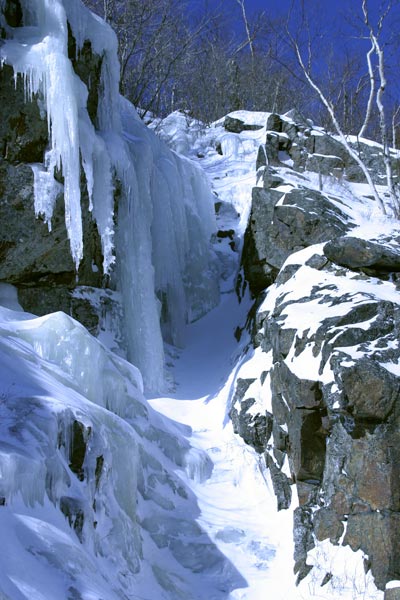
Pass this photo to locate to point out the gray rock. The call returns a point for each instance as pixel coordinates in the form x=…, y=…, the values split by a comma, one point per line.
x=355, y=253
x=237, y=125
x=305, y=217
x=272, y=148
x=392, y=594
x=274, y=122
x=13, y=13
x=254, y=429
x=326, y=145
x=73, y=509
x=370, y=390
x=327, y=525
x=36, y=261
x=271, y=179
x=303, y=541
x=280, y=483
x=23, y=129
x=325, y=165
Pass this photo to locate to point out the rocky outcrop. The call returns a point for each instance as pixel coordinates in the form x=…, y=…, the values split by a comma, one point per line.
x=328, y=322
x=255, y=429
x=339, y=428
x=283, y=222
x=310, y=148
x=235, y=125
x=366, y=256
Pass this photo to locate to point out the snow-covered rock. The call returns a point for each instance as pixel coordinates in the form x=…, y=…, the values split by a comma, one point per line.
x=328, y=318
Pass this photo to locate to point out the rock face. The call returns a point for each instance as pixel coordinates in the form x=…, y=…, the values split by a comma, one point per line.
x=282, y=223
x=312, y=149
x=328, y=321
x=368, y=257
x=38, y=262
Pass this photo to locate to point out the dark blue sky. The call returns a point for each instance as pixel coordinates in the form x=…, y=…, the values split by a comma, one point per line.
x=329, y=7
x=336, y=28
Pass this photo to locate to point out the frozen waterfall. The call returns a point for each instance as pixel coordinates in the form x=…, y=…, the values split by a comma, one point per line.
x=165, y=268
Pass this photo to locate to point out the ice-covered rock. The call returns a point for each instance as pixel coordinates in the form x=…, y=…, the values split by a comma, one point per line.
x=78, y=155
x=90, y=492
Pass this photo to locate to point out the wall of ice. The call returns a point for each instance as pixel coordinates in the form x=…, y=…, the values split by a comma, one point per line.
x=91, y=501
x=161, y=245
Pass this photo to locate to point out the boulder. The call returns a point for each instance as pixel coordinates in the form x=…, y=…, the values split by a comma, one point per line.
x=325, y=165
x=234, y=125
x=363, y=255
x=327, y=525
x=370, y=391
x=323, y=144
x=281, y=224
x=274, y=122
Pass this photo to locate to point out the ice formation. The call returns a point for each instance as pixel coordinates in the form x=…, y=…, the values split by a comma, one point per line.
x=89, y=495
x=165, y=213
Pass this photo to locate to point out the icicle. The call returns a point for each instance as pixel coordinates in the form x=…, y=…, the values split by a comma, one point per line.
x=165, y=209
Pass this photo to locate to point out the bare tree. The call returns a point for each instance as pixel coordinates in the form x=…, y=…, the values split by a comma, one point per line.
x=378, y=50
x=376, y=93
x=395, y=124
x=154, y=38
x=249, y=35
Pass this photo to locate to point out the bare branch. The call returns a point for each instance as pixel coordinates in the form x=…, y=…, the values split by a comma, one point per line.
x=247, y=27
x=371, y=96
x=335, y=122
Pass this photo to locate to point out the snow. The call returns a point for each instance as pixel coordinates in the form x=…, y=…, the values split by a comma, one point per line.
x=168, y=503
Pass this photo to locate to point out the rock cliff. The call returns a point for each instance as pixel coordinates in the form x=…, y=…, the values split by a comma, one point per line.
x=325, y=408
x=33, y=258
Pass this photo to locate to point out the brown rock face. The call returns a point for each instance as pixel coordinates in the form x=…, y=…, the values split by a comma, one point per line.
x=379, y=536
x=342, y=438
x=370, y=390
